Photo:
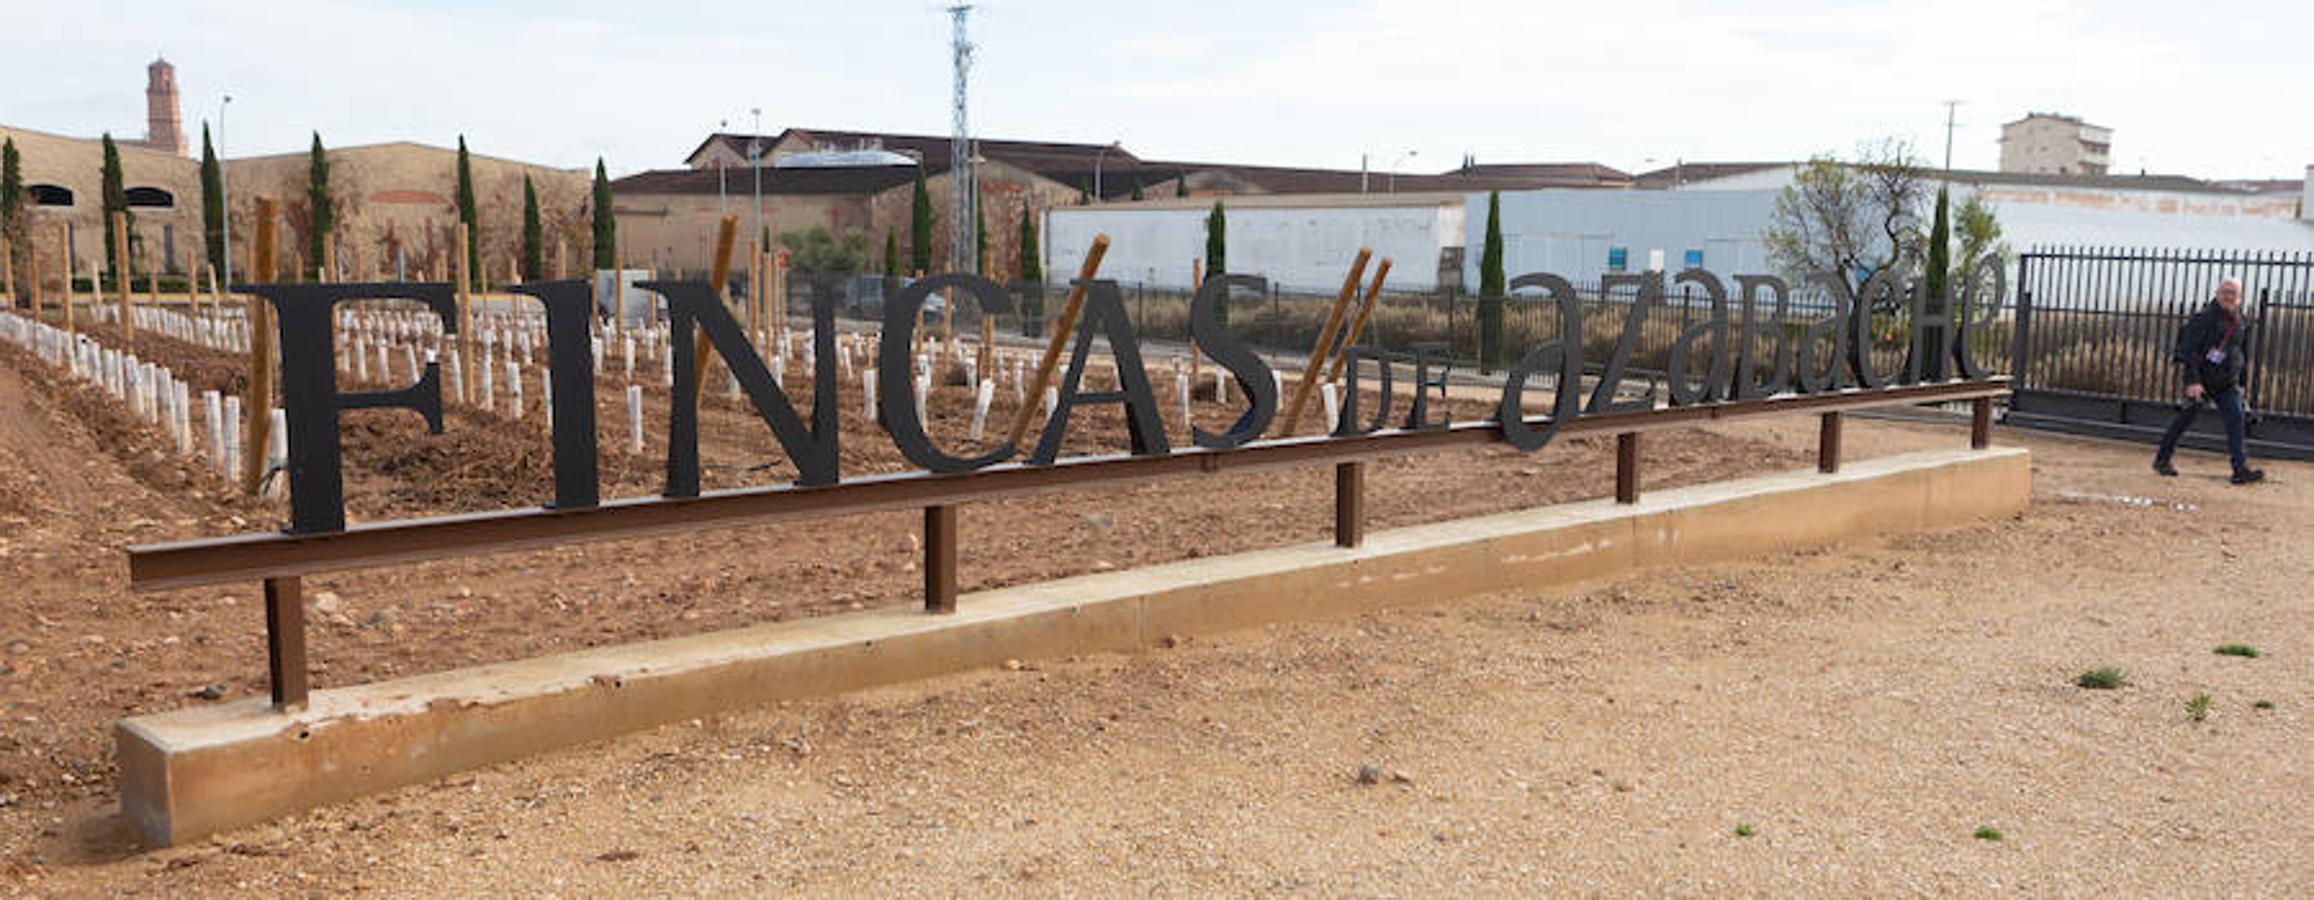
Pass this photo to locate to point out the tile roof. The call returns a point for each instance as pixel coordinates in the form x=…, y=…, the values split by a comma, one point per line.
x=809, y=180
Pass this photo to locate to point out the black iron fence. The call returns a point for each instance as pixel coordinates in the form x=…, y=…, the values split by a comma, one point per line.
x=2094, y=330
x=1287, y=322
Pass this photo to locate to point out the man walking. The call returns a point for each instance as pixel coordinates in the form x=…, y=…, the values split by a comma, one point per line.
x=2209, y=355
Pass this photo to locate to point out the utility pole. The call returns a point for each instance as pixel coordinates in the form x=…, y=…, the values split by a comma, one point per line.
x=722, y=201
x=961, y=221
x=1950, y=106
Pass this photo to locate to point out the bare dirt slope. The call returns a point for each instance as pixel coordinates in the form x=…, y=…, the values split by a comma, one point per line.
x=1863, y=709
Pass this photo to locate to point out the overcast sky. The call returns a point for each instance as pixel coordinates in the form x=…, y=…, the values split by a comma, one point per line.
x=2214, y=89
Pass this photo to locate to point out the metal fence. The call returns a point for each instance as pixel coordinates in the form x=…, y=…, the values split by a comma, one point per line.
x=1287, y=322
x=2095, y=327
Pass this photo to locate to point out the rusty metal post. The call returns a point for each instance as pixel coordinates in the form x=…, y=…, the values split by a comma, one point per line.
x=1627, y=467
x=285, y=642
x=1981, y=423
x=1349, y=504
x=1828, y=444
x=940, y=559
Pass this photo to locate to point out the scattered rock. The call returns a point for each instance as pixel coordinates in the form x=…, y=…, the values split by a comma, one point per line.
x=1373, y=774
x=1099, y=520
x=620, y=856
x=1173, y=640
x=327, y=603
x=19, y=646
x=382, y=618
x=211, y=692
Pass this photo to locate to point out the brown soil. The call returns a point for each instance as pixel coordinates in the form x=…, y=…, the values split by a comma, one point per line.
x=1863, y=708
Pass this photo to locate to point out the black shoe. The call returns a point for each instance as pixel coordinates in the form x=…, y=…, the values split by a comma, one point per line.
x=2248, y=476
x=2163, y=467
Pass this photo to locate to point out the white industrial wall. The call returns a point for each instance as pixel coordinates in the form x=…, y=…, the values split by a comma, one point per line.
x=1300, y=248
x=1570, y=232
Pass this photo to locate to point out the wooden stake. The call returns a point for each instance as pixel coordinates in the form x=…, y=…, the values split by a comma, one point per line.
x=779, y=291
x=7, y=271
x=64, y=231
x=1309, y=382
x=1196, y=284
x=618, y=288
x=120, y=269
x=1358, y=322
x=459, y=263
x=257, y=407
x=726, y=235
x=32, y=271
x=1060, y=337
x=326, y=266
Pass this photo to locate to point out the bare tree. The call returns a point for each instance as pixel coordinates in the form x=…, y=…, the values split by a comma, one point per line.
x=1848, y=220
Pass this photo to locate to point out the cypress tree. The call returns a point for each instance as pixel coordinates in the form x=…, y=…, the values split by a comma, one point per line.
x=1937, y=281
x=1180, y=183
x=12, y=206
x=1217, y=254
x=324, y=209
x=116, y=199
x=606, y=229
x=891, y=253
x=980, y=240
x=1490, y=288
x=920, y=225
x=533, y=237
x=1136, y=186
x=11, y=182
x=1032, y=269
x=466, y=214
x=212, y=206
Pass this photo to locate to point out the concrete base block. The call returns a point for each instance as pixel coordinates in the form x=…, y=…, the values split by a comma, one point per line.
x=194, y=772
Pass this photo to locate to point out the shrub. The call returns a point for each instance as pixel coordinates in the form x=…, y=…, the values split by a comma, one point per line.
x=2242, y=650
x=2102, y=679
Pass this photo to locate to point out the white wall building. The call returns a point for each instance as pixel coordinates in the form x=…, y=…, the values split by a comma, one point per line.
x=1581, y=234
x=1300, y=242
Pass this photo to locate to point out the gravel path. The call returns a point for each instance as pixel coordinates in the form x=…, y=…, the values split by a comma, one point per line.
x=1832, y=721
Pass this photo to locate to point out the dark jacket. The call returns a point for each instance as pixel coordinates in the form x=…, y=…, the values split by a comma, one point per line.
x=2212, y=328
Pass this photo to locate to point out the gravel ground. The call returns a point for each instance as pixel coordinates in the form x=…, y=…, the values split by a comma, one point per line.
x=1831, y=721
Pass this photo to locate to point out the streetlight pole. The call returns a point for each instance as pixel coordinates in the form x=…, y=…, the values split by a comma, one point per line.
x=225, y=191
x=755, y=161
x=1394, y=168
x=1098, y=197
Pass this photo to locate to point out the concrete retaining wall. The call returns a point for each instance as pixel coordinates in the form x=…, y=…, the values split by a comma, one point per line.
x=194, y=772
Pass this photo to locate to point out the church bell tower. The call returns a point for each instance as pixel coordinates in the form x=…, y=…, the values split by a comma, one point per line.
x=162, y=129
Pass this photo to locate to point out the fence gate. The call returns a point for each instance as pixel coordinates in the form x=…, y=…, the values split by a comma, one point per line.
x=2094, y=329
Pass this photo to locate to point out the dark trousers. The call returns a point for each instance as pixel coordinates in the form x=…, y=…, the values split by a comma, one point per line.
x=2229, y=404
